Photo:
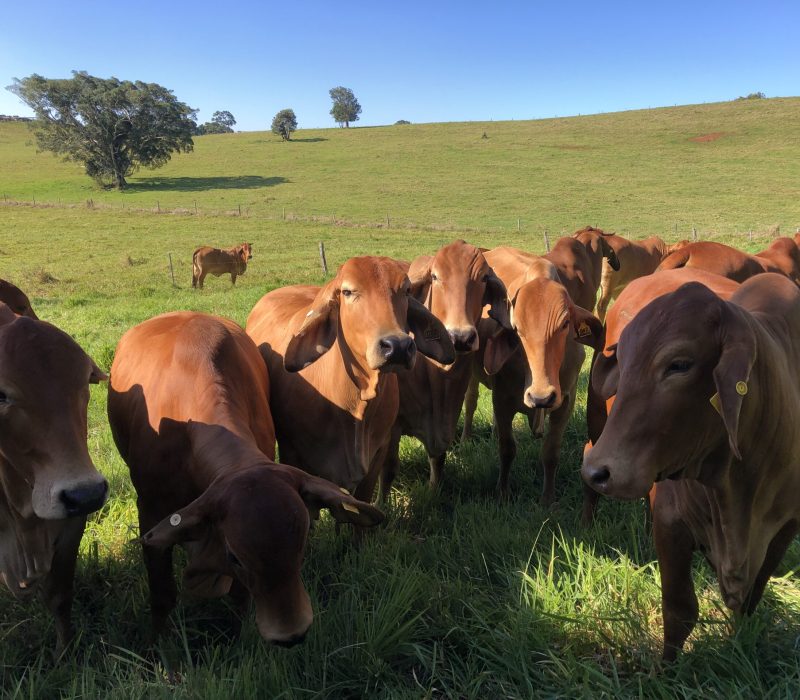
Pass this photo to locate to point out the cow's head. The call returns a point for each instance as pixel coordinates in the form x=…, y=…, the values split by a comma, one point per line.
x=369, y=308
x=455, y=285
x=680, y=374
x=16, y=300
x=44, y=394
x=245, y=251
x=251, y=525
x=596, y=243
x=543, y=318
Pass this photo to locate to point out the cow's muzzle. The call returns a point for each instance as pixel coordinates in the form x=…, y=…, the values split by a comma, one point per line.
x=86, y=499
x=398, y=350
x=464, y=339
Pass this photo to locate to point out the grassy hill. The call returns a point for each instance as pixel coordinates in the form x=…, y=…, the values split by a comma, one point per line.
x=457, y=596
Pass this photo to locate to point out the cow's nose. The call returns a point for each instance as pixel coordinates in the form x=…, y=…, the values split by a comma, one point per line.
x=546, y=402
x=397, y=350
x=464, y=339
x=291, y=641
x=597, y=477
x=83, y=500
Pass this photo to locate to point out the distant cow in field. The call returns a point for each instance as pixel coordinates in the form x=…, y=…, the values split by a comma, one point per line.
x=218, y=261
x=48, y=483
x=16, y=300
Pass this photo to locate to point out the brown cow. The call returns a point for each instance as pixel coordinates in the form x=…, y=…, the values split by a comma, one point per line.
x=720, y=259
x=331, y=353
x=532, y=369
x=16, y=300
x=635, y=296
x=217, y=261
x=454, y=285
x=782, y=256
x=707, y=400
x=636, y=259
x=48, y=483
x=188, y=411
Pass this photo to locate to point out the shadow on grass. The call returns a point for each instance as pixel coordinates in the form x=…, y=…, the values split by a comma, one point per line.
x=197, y=184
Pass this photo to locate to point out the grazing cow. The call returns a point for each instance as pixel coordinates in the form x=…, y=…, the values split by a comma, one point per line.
x=636, y=259
x=48, y=484
x=16, y=300
x=706, y=405
x=635, y=297
x=188, y=411
x=454, y=285
x=331, y=353
x=720, y=259
x=217, y=261
x=781, y=256
x=532, y=369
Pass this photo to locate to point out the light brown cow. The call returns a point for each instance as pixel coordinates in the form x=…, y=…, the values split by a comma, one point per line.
x=706, y=404
x=189, y=414
x=16, y=300
x=217, y=261
x=454, y=285
x=781, y=256
x=331, y=353
x=48, y=483
x=635, y=297
x=532, y=369
x=636, y=259
x=720, y=259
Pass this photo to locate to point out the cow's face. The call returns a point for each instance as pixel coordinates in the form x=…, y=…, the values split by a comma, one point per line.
x=252, y=526
x=596, y=243
x=543, y=318
x=680, y=376
x=44, y=393
x=368, y=306
x=455, y=285
x=247, y=251
x=16, y=300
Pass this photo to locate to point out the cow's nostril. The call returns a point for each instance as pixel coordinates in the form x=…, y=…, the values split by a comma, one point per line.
x=388, y=346
x=84, y=499
x=599, y=476
x=546, y=402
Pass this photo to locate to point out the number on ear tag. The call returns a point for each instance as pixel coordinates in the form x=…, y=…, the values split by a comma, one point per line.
x=583, y=329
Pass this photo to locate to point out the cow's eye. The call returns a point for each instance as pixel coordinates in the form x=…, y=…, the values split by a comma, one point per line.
x=434, y=276
x=678, y=367
x=347, y=292
x=3, y=397
x=566, y=323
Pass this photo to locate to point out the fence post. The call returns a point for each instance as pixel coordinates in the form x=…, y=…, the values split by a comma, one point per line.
x=284, y=213
x=195, y=207
x=34, y=200
x=171, y=271
x=546, y=241
x=158, y=206
x=240, y=210
x=387, y=221
x=518, y=225
x=694, y=233
x=322, y=258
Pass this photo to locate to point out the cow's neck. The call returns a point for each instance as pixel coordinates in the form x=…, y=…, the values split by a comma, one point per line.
x=365, y=380
x=220, y=449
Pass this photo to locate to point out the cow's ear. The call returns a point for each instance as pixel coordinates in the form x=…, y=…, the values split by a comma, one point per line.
x=430, y=335
x=737, y=356
x=97, y=375
x=189, y=524
x=605, y=373
x=318, y=332
x=496, y=296
x=608, y=252
x=499, y=348
x=319, y=493
x=587, y=327
x=419, y=274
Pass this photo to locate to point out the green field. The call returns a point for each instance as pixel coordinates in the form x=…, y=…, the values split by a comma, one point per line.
x=456, y=596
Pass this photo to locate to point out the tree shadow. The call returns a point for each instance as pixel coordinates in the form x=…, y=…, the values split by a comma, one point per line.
x=197, y=184
x=311, y=140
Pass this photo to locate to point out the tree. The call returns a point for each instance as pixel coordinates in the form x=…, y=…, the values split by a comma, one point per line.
x=221, y=123
x=345, y=106
x=224, y=119
x=284, y=123
x=111, y=126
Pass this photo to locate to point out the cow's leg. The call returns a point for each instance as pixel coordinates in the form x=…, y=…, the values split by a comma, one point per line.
x=233, y=278
x=436, y=463
x=194, y=277
x=240, y=598
x=674, y=546
x=777, y=548
x=504, y=411
x=158, y=563
x=552, y=446
x=201, y=279
x=470, y=406
x=57, y=587
x=391, y=464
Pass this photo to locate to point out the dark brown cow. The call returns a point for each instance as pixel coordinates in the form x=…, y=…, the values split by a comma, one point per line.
x=331, y=353
x=16, y=300
x=720, y=259
x=217, y=261
x=48, y=483
x=707, y=399
x=188, y=411
x=454, y=285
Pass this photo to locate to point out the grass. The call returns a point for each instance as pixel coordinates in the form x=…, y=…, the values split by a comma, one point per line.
x=456, y=596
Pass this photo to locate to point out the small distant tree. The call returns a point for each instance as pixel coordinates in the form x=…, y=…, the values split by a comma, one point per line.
x=345, y=106
x=111, y=126
x=284, y=123
x=400, y=122
x=221, y=123
x=753, y=96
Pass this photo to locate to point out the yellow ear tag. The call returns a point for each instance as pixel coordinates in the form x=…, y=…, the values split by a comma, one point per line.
x=741, y=388
x=350, y=507
x=175, y=519
x=584, y=330
x=714, y=401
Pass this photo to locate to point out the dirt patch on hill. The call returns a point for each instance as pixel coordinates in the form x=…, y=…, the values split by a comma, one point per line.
x=706, y=138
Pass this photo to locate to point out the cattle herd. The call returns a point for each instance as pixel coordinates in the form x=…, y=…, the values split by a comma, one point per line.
x=692, y=402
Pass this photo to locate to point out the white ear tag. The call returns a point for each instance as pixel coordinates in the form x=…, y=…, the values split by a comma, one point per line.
x=350, y=507
x=175, y=519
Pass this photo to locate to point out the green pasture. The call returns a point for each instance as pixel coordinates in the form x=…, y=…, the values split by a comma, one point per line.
x=456, y=595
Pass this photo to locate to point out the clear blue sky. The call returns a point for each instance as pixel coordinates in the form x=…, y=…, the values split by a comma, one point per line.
x=421, y=61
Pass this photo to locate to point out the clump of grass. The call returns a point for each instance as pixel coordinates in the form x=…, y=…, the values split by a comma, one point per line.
x=42, y=276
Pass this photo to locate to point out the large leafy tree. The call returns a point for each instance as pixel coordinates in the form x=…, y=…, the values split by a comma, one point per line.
x=284, y=123
x=111, y=126
x=221, y=123
x=345, y=106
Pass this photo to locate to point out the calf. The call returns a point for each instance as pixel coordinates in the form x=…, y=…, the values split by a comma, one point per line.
x=332, y=354
x=454, y=285
x=216, y=261
x=48, y=483
x=188, y=411
x=706, y=400
x=16, y=300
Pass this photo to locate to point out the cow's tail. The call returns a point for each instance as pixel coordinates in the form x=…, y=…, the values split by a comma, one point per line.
x=195, y=269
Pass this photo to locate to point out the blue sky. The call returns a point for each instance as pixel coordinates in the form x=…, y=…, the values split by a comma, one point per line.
x=420, y=61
